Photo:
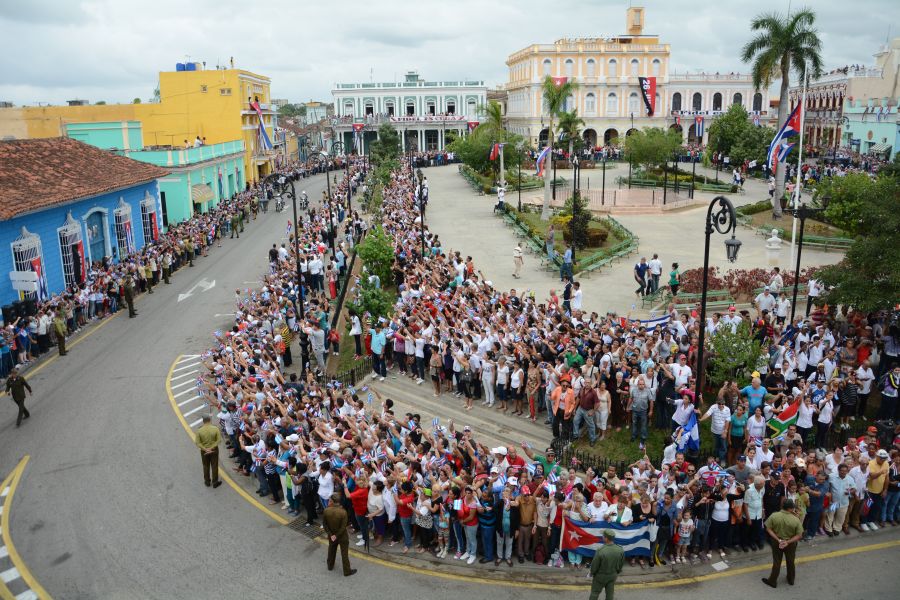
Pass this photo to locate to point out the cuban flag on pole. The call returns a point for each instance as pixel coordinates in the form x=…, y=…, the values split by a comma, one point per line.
x=779, y=148
x=287, y=232
x=541, y=160
x=264, y=141
x=42, y=291
x=699, y=126
x=585, y=538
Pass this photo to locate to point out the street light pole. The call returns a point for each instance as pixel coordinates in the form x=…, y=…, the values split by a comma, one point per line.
x=302, y=307
x=724, y=221
x=519, y=185
x=603, y=188
x=575, y=207
x=693, y=174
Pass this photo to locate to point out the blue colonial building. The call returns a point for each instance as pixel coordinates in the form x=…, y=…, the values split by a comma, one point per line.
x=65, y=204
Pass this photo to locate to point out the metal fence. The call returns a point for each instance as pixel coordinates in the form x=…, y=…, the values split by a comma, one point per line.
x=351, y=376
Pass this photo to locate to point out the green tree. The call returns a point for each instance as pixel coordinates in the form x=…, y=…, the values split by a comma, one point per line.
x=377, y=254
x=570, y=125
x=732, y=355
x=386, y=147
x=782, y=44
x=292, y=110
x=652, y=147
x=371, y=299
x=136, y=101
x=727, y=128
x=868, y=278
x=492, y=125
x=99, y=102
x=848, y=196
x=752, y=144
x=555, y=96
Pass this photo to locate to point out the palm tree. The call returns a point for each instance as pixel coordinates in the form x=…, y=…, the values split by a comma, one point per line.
x=570, y=125
x=783, y=43
x=555, y=96
x=493, y=120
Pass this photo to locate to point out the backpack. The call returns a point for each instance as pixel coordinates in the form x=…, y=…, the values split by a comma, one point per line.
x=540, y=555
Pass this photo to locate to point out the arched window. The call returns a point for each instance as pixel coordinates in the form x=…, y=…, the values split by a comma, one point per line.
x=590, y=103
x=570, y=67
x=634, y=107
x=570, y=103
x=657, y=66
x=738, y=99
x=757, y=101
x=429, y=107
x=369, y=108
x=717, y=101
x=676, y=101
x=697, y=101
x=71, y=248
x=451, y=107
x=591, y=65
x=123, y=229
x=635, y=67
x=348, y=108
x=148, y=216
x=389, y=107
x=410, y=108
x=548, y=66
x=28, y=256
x=612, y=68
x=612, y=104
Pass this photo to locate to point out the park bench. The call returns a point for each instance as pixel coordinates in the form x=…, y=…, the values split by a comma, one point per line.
x=722, y=188
x=827, y=243
x=657, y=297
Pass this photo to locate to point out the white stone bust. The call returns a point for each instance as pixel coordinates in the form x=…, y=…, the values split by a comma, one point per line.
x=774, y=242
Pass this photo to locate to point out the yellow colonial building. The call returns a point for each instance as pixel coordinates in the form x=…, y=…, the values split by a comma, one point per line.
x=609, y=98
x=212, y=105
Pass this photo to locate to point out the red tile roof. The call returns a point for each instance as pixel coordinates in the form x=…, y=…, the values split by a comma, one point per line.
x=36, y=174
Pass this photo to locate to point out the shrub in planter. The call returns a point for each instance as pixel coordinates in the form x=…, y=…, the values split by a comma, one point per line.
x=596, y=237
x=692, y=280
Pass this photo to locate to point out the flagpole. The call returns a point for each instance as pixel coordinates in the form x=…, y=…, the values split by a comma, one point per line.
x=796, y=199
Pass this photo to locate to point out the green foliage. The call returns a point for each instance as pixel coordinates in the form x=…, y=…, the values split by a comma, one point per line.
x=136, y=101
x=848, y=197
x=474, y=151
x=783, y=43
x=377, y=253
x=576, y=209
x=382, y=172
x=374, y=197
x=373, y=300
x=292, y=110
x=99, y=102
x=733, y=134
x=492, y=126
x=868, y=278
x=732, y=355
x=387, y=147
x=891, y=169
x=752, y=144
x=651, y=147
x=570, y=125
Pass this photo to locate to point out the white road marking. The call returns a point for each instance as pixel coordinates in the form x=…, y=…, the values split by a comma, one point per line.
x=192, y=411
x=184, y=383
x=195, y=423
x=203, y=283
x=187, y=357
x=4, y=492
x=183, y=375
x=27, y=595
x=182, y=393
x=191, y=399
x=224, y=314
x=9, y=575
x=186, y=367
x=3, y=552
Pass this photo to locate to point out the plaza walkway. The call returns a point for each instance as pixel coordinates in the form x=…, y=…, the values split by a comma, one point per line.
x=465, y=221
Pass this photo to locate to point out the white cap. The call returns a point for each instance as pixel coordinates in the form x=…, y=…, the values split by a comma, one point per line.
x=499, y=450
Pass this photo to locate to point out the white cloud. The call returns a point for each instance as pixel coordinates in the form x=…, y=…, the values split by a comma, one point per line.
x=112, y=49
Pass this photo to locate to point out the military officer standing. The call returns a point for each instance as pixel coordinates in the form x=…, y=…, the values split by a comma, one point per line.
x=235, y=223
x=167, y=266
x=335, y=523
x=15, y=387
x=59, y=327
x=207, y=439
x=148, y=276
x=189, y=250
x=606, y=566
x=129, y=296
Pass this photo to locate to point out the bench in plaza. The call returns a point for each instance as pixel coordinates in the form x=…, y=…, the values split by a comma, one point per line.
x=657, y=297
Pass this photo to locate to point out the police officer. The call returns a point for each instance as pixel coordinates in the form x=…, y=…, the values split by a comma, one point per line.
x=15, y=387
x=606, y=566
x=129, y=296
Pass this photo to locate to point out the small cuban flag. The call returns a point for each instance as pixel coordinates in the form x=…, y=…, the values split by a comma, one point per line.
x=501, y=480
x=435, y=423
x=552, y=477
x=370, y=397
x=287, y=231
x=531, y=468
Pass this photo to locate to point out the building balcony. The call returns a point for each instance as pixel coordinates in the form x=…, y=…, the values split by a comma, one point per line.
x=340, y=87
x=182, y=157
x=714, y=77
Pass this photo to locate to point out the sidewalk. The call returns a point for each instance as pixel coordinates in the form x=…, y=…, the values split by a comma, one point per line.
x=465, y=221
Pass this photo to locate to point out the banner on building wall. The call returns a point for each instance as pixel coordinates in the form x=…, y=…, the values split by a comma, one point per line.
x=427, y=119
x=81, y=265
x=558, y=81
x=698, y=127
x=648, y=91
x=154, y=228
x=129, y=237
x=42, y=291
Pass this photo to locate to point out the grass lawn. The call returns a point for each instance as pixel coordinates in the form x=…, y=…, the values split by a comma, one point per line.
x=533, y=219
x=618, y=445
x=764, y=219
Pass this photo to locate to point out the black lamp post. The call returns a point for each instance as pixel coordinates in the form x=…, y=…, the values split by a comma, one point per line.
x=675, y=160
x=576, y=188
x=519, y=148
x=302, y=307
x=603, y=188
x=324, y=157
x=720, y=217
x=802, y=212
x=693, y=173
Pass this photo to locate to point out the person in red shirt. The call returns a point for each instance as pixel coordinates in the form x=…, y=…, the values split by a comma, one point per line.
x=516, y=463
x=359, y=498
x=406, y=504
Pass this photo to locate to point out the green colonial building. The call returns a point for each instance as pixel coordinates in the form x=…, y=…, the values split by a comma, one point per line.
x=199, y=177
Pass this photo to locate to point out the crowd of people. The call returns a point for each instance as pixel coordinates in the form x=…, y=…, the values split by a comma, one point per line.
x=437, y=488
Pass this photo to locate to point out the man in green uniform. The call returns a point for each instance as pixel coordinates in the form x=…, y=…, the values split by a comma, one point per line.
x=207, y=439
x=334, y=520
x=148, y=276
x=129, y=296
x=606, y=566
x=59, y=326
x=784, y=530
x=15, y=387
x=235, y=223
x=189, y=250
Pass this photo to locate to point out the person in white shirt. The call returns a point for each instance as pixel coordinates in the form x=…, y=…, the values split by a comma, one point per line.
x=865, y=377
x=598, y=508
x=764, y=301
x=813, y=290
x=720, y=415
x=655, y=266
x=776, y=282
x=681, y=372
x=782, y=308
x=732, y=319
x=577, y=295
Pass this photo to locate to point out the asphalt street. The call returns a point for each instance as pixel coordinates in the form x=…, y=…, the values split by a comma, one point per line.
x=112, y=503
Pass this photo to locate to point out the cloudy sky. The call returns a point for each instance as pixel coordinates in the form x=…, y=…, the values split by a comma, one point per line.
x=112, y=49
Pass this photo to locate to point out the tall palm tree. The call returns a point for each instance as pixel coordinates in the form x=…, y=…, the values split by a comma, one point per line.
x=555, y=96
x=493, y=121
x=783, y=43
x=570, y=125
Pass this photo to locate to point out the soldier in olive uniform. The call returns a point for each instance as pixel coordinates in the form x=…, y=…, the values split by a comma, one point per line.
x=606, y=566
x=235, y=223
x=16, y=386
x=59, y=327
x=335, y=524
x=129, y=296
x=189, y=250
x=167, y=266
x=148, y=276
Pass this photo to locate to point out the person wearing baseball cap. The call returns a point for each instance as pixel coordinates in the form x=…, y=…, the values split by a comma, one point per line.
x=876, y=483
x=606, y=566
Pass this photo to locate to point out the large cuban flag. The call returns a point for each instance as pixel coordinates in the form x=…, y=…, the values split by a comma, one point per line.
x=781, y=146
x=584, y=538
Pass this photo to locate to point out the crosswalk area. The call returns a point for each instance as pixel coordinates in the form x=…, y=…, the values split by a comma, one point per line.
x=182, y=384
